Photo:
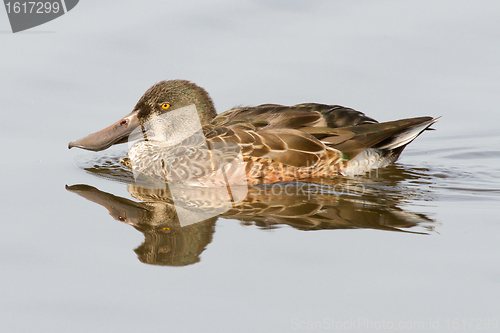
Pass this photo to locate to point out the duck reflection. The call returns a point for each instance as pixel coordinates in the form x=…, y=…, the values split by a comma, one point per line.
x=367, y=203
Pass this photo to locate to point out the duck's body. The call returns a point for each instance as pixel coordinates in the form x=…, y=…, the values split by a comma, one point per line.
x=253, y=145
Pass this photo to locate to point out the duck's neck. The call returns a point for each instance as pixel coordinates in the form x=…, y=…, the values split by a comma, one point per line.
x=206, y=115
x=205, y=107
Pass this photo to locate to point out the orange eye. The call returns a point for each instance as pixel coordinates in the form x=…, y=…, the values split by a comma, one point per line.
x=165, y=106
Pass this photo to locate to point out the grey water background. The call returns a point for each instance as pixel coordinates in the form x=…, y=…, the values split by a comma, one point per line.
x=69, y=267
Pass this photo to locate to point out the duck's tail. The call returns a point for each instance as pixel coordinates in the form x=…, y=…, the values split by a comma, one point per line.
x=388, y=150
x=400, y=140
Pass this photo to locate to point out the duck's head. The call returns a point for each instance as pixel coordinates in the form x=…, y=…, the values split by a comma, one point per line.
x=163, y=97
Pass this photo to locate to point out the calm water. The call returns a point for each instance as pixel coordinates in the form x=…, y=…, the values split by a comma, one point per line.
x=416, y=251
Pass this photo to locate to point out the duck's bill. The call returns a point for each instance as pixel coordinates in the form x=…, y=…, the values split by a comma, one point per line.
x=119, y=132
x=119, y=208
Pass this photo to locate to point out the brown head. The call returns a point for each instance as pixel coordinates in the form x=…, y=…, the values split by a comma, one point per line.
x=163, y=97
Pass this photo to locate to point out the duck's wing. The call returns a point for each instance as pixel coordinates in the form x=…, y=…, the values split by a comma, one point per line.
x=267, y=116
x=283, y=145
x=308, y=146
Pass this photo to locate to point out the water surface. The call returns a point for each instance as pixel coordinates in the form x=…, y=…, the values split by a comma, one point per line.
x=418, y=247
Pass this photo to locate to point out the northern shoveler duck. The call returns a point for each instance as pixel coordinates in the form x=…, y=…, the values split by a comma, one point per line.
x=261, y=144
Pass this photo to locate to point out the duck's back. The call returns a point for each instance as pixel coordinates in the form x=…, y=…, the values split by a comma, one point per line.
x=296, y=116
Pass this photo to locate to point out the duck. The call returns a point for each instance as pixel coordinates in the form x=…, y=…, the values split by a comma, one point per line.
x=177, y=137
